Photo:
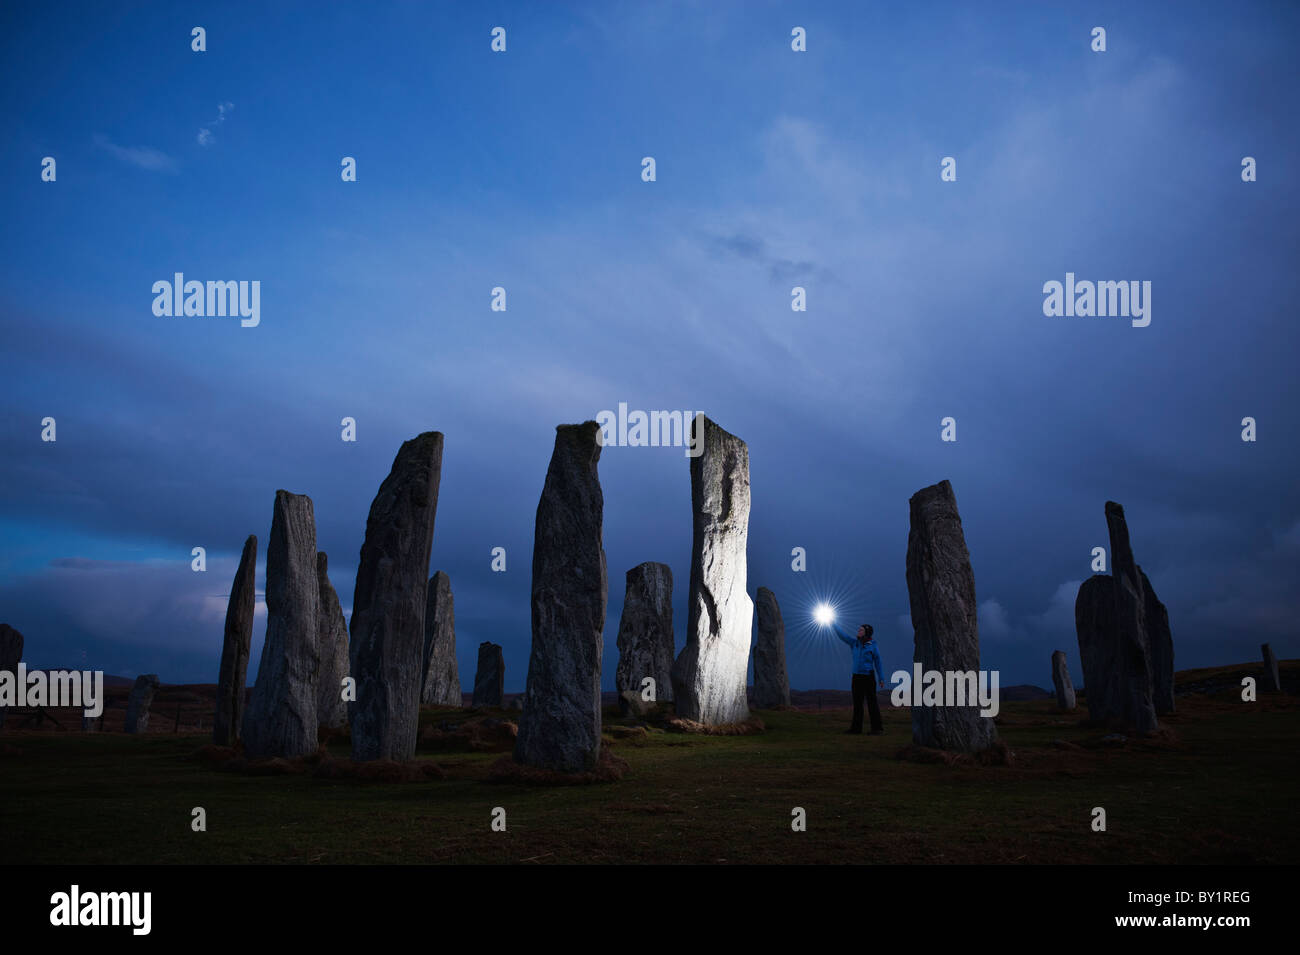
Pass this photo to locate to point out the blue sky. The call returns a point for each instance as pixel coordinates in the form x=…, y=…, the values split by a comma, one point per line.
x=774, y=169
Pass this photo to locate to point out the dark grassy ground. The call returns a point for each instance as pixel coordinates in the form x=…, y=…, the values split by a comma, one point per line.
x=1221, y=790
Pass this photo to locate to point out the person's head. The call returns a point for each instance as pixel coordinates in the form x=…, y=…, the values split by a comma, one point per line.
x=864, y=632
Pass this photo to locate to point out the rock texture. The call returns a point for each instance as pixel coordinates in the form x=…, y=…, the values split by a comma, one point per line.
x=709, y=676
x=645, y=637
x=138, y=703
x=1160, y=644
x=232, y=679
x=559, y=729
x=1272, y=676
x=281, y=715
x=1112, y=619
x=490, y=677
x=388, y=603
x=11, y=654
x=771, y=685
x=1061, y=680
x=441, y=676
x=941, y=589
x=332, y=634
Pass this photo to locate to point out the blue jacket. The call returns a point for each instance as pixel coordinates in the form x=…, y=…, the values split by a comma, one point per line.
x=866, y=659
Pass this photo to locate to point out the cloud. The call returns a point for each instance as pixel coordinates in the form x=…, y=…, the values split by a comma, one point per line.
x=143, y=157
x=205, y=137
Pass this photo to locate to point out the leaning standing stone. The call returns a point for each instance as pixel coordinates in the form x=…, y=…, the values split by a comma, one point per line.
x=709, y=676
x=232, y=680
x=645, y=636
x=388, y=603
x=941, y=588
x=771, y=685
x=441, y=676
x=332, y=629
x=1061, y=680
x=559, y=729
x=281, y=716
x=1272, y=676
x=490, y=677
x=138, y=703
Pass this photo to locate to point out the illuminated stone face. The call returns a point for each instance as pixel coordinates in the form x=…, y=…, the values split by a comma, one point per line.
x=709, y=675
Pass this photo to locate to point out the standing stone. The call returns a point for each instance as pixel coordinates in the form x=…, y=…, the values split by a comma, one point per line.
x=559, y=729
x=645, y=635
x=332, y=634
x=11, y=654
x=710, y=674
x=941, y=589
x=441, y=677
x=1061, y=680
x=1272, y=676
x=1160, y=645
x=138, y=703
x=490, y=677
x=388, y=603
x=771, y=685
x=1115, y=673
x=232, y=679
x=281, y=716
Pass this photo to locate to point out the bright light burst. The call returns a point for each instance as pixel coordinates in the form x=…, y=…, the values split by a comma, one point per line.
x=824, y=614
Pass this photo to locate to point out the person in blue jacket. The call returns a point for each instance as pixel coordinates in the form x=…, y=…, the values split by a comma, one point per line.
x=866, y=671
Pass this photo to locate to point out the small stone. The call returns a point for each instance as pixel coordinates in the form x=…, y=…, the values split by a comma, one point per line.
x=138, y=703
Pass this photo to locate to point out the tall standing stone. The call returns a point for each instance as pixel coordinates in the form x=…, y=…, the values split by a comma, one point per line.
x=441, y=676
x=709, y=675
x=11, y=654
x=1160, y=644
x=560, y=726
x=138, y=703
x=645, y=634
x=332, y=633
x=232, y=679
x=1115, y=673
x=1272, y=676
x=388, y=604
x=771, y=684
x=281, y=717
x=490, y=676
x=1061, y=680
x=941, y=589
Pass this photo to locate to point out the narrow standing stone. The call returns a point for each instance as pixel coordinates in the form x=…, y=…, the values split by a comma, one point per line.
x=281, y=716
x=11, y=654
x=559, y=729
x=490, y=677
x=941, y=588
x=138, y=703
x=1272, y=675
x=232, y=680
x=1061, y=680
x=771, y=685
x=1160, y=644
x=332, y=630
x=709, y=676
x=441, y=676
x=645, y=635
x=388, y=604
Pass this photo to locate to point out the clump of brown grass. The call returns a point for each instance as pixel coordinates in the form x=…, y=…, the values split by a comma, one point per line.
x=609, y=768
x=747, y=727
x=624, y=732
x=999, y=754
x=480, y=735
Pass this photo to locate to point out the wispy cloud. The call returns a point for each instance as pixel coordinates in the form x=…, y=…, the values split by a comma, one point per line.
x=205, y=137
x=142, y=157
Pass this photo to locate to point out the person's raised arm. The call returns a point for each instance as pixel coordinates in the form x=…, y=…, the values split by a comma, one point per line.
x=836, y=630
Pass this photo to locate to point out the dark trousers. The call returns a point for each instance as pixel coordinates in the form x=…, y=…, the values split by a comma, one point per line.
x=864, y=685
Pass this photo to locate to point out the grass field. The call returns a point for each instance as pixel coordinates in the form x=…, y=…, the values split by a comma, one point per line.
x=1221, y=788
